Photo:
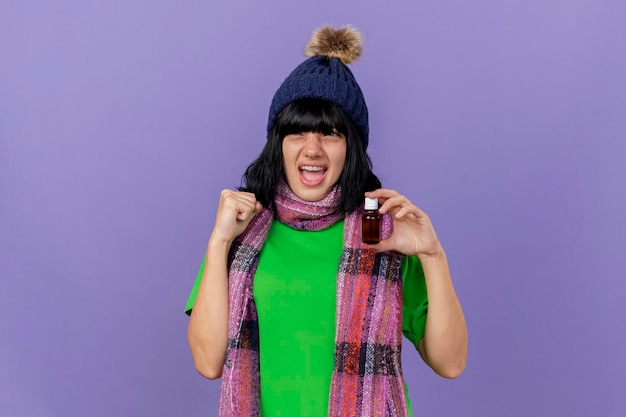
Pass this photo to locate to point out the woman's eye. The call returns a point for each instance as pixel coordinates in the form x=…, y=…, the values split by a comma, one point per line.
x=294, y=136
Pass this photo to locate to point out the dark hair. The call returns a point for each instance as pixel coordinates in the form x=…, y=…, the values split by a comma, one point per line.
x=312, y=115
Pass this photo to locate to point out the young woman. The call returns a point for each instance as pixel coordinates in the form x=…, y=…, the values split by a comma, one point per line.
x=294, y=313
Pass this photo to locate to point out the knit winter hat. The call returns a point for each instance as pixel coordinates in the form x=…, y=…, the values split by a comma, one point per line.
x=324, y=75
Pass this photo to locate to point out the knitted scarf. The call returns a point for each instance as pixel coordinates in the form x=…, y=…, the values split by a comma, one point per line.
x=367, y=378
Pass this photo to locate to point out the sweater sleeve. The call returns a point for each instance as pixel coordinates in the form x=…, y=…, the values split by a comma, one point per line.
x=414, y=300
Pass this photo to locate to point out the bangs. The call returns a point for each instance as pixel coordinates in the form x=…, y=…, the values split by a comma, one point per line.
x=311, y=115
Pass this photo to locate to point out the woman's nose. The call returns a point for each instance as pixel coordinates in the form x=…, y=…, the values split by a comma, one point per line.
x=312, y=144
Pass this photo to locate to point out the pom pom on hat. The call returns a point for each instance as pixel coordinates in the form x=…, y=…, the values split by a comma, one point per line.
x=345, y=43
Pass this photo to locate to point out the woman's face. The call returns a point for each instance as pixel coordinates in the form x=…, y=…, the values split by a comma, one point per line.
x=313, y=162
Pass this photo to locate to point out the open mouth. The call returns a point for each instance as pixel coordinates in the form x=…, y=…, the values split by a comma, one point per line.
x=312, y=175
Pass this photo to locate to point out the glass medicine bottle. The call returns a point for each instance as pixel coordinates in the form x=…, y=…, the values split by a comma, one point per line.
x=371, y=222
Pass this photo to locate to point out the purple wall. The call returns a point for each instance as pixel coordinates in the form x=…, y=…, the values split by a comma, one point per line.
x=120, y=121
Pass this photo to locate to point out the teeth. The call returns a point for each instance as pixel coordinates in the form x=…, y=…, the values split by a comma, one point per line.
x=311, y=168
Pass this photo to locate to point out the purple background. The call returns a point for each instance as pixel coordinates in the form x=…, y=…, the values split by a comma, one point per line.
x=120, y=122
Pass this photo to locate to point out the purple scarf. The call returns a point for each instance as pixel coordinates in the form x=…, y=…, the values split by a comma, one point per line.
x=367, y=378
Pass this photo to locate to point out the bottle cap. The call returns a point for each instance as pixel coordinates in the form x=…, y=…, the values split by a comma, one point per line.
x=371, y=203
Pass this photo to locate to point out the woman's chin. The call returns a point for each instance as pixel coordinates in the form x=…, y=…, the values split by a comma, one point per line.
x=308, y=193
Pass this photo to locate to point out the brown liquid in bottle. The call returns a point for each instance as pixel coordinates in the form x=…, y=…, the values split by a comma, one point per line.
x=371, y=222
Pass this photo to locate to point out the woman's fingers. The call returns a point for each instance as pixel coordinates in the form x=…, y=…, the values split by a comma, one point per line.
x=234, y=212
x=382, y=194
x=234, y=197
x=398, y=206
x=249, y=211
x=394, y=202
x=240, y=202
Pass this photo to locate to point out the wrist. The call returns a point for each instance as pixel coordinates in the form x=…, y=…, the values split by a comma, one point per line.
x=436, y=256
x=436, y=269
x=217, y=243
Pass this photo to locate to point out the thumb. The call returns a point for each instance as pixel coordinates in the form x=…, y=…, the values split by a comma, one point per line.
x=249, y=214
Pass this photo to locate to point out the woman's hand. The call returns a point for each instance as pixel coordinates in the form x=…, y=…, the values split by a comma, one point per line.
x=413, y=233
x=235, y=211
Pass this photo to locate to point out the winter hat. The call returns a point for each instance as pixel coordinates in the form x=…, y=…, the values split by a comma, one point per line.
x=324, y=75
